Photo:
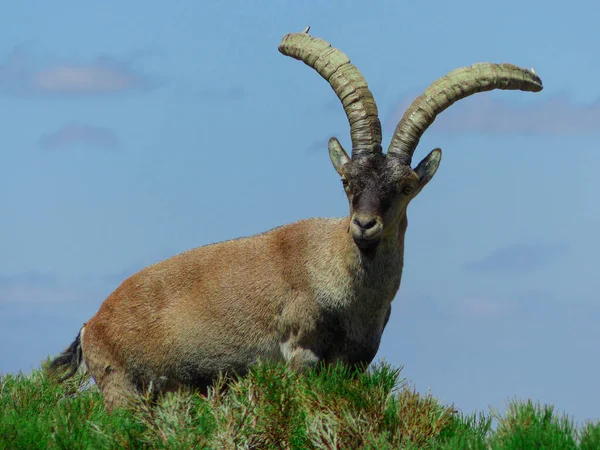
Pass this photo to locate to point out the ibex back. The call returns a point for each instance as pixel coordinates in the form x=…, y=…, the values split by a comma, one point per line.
x=315, y=291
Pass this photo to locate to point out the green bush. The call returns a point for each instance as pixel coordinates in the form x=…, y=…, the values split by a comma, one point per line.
x=273, y=408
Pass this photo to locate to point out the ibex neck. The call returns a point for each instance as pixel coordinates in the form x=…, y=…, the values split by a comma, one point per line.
x=363, y=281
x=384, y=264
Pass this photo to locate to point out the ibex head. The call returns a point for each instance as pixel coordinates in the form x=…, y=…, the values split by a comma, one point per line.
x=379, y=187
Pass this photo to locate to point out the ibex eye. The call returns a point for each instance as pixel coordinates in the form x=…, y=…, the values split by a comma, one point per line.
x=407, y=190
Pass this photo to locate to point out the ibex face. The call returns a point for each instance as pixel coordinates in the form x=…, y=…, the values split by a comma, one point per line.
x=379, y=189
x=303, y=293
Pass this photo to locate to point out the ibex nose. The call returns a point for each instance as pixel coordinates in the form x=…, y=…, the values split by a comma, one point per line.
x=365, y=223
x=366, y=230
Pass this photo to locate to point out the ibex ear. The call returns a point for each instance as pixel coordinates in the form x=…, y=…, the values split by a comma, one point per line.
x=428, y=167
x=338, y=155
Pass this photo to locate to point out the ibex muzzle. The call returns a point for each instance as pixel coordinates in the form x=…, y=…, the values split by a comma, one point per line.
x=317, y=291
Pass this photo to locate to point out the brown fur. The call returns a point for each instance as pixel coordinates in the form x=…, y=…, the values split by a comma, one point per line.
x=280, y=295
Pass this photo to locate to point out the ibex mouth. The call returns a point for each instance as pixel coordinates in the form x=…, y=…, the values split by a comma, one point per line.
x=366, y=244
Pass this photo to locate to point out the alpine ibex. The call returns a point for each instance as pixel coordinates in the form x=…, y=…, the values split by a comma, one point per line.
x=317, y=290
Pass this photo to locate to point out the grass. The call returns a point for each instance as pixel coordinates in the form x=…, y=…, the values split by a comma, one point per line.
x=274, y=408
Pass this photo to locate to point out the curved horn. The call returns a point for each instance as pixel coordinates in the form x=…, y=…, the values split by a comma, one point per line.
x=456, y=85
x=347, y=82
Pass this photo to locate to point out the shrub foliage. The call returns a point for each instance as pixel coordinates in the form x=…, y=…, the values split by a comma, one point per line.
x=273, y=408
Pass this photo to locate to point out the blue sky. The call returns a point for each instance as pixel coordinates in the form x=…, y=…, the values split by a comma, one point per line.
x=134, y=131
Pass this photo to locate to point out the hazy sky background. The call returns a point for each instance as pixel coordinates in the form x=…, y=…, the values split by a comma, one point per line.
x=132, y=131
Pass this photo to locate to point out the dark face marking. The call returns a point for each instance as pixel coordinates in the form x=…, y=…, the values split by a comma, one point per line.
x=378, y=190
x=375, y=183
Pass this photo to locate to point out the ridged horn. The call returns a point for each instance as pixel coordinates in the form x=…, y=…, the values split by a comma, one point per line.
x=348, y=84
x=456, y=85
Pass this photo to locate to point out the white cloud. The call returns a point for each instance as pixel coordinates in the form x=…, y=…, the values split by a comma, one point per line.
x=33, y=287
x=483, y=308
x=21, y=76
x=491, y=114
x=518, y=258
x=79, y=134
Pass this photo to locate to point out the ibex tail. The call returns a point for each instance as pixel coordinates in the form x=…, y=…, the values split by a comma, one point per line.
x=67, y=363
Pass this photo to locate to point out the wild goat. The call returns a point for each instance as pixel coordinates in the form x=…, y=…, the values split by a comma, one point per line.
x=314, y=291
